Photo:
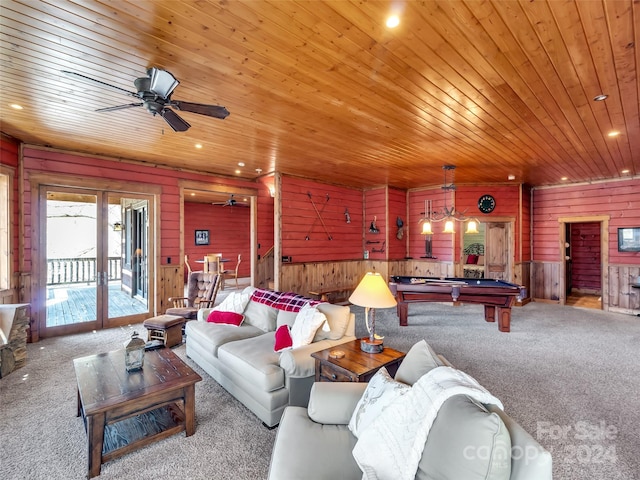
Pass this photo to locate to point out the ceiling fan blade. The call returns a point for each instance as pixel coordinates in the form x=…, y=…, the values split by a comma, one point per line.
x=162, y=82
x=119, y=107
x=174, y=120
x=215, y=111
x=84, y=78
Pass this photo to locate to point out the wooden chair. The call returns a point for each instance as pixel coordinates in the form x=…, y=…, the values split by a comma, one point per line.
x=212, y=263
x=201, y=293
x=232, y=273
x=187, y=266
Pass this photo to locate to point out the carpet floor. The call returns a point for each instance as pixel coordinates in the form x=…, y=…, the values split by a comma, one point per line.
x=569, y=376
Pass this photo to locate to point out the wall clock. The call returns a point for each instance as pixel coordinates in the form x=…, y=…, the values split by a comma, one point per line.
x=486, y=203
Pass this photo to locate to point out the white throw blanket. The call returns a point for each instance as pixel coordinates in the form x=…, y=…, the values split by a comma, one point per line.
x=390, y=448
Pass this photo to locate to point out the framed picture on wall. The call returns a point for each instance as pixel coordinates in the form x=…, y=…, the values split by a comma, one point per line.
x=202, y=237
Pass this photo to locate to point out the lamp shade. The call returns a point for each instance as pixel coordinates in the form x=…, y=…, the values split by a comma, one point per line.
x=472, y=227
x=373, y=292
x=426, y=228
x=448, y=227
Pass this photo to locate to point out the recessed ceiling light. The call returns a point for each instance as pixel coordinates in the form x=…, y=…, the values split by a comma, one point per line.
x=615, y=133
x=15, y=106
x=258, y=171
x=241, y=164
x=564, y=179
x=625, y=171
x=600, y=98
x=193, y=194
x=198, y=145
x=393, y=21
x=511, y=177
x=237, y=172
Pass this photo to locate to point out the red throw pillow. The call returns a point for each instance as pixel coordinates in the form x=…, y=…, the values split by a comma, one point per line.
x=472, y=259
x=283, y=338
x=228, y=318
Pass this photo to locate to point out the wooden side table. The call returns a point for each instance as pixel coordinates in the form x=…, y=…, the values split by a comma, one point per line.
x=356, y=365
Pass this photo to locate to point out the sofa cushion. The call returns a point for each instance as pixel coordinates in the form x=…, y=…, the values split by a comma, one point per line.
x=285, y=318
x=308, y=320
x=212, y=335
x=254, y=360
x=234, y=302
x=282, y=338
x=306, y=449
x=337, y=318
x=466, y=441
x=334, y=402
x=226, y=318
x=380, y=392
x=261, y=316
x=418, y=361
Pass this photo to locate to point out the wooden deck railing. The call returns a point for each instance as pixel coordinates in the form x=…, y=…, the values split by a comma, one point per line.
x=79, y=270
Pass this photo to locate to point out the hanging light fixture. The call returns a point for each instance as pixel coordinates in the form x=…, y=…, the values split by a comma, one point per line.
x=448, y=215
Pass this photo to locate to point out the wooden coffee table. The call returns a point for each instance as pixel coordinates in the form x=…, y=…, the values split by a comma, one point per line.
x=124, y=410
x=356, y=365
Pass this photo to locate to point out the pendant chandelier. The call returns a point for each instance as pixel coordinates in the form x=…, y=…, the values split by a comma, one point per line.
x=447, y=215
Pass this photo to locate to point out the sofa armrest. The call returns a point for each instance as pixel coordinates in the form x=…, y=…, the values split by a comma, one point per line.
x=333, y=403
x=299, y=363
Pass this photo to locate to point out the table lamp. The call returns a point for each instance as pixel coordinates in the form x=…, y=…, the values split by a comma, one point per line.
x=372, y=292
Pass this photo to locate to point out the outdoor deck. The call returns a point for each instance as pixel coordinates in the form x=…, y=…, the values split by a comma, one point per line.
x=68, y=304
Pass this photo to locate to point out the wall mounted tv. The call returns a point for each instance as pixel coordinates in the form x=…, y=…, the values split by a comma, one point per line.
x=629, y=239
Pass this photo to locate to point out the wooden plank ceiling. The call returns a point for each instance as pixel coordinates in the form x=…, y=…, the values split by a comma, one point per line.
x=325, y=90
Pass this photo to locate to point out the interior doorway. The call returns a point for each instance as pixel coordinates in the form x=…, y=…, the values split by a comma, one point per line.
x=490, y=252
x=583, y=265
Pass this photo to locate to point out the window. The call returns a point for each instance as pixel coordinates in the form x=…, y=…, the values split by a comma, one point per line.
x=5, y=229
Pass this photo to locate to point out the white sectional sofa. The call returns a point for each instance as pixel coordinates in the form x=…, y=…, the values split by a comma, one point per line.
x=242, y=358
x=467, y=440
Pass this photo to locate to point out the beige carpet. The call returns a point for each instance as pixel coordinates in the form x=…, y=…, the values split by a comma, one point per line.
x=561, y=369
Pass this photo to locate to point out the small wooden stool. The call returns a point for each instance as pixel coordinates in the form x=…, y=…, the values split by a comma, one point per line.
x=167, y=328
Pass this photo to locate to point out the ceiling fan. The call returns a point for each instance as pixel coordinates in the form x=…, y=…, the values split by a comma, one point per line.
x=230, y=202
x=154, y=92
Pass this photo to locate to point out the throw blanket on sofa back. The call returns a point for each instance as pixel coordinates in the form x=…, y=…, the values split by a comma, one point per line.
x=287, y=301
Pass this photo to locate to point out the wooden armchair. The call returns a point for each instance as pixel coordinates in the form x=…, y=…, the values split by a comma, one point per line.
x=201, y=293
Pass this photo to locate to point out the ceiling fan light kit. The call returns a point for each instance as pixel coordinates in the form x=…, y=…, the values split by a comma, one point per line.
x=155, y=92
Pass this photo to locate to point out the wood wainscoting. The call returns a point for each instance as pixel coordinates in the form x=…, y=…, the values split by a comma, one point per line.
x=545, y=281
x=622, y=297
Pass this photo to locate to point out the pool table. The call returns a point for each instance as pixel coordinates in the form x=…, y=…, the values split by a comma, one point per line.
x=497, y=296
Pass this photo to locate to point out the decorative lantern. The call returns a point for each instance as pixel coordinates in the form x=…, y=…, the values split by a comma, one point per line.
x=134, y=352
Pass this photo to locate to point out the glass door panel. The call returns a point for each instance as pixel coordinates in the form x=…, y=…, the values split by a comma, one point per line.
x=128, y=250
x=72, y=246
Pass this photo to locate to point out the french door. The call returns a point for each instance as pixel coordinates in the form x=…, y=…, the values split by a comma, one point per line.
x=95, y=251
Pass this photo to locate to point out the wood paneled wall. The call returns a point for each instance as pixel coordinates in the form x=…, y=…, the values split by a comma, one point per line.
x=317, y=211
x=397, y=247
x=622, y=297
x=229, y=234
x=586, y=271
x=376, y=215
x=304, y=277
x=164, y=182
x=545, y=281
x=9, y=151
x=616, y=201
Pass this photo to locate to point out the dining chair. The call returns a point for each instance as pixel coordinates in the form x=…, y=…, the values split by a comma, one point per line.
x=232, y=273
